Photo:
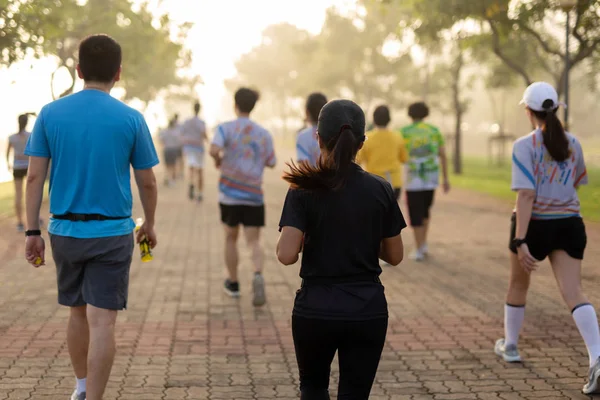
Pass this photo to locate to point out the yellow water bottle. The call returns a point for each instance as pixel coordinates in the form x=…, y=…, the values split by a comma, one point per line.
x=145, y=250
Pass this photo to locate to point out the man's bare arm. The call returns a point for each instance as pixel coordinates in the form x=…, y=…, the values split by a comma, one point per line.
x=8, y=148
x=147, y=188
x=36, y=177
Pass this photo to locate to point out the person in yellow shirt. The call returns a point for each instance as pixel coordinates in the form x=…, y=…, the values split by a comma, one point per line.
x=384, y=152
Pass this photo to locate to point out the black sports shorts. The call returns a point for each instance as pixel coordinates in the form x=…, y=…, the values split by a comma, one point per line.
x=546, y=235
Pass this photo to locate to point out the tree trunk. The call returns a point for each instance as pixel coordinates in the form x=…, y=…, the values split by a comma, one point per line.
x=457, y=161
x=70, y=89
x=458, y=111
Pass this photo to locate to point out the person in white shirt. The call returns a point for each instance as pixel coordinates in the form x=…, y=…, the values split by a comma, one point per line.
x=193, y=138
x=19, y=167
x=547, y=169
x=171, y=142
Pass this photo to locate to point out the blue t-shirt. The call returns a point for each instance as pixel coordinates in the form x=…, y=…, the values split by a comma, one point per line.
x=307, y=146
x=248, y=149
x=92, y=139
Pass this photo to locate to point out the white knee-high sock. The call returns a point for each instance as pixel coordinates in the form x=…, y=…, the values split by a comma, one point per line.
x=513, y=321
x=587, y=323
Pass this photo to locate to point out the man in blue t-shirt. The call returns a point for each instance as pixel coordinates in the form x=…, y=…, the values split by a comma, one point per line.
x=242, y=149
x=93, y=140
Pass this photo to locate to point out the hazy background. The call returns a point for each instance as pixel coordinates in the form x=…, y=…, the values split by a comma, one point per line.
x=372, y=51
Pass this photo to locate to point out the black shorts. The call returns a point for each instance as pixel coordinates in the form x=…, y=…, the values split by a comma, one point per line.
x=179, y=152
x=19, y=173
x=234, y=215
x=419, y=203
x=93, y=271
x=545, y=236
x=397, y=192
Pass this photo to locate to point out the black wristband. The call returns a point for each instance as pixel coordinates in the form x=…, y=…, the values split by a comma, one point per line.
x=518, y=242
x=33, y=232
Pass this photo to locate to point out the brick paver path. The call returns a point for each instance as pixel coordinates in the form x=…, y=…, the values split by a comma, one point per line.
x=182, y=338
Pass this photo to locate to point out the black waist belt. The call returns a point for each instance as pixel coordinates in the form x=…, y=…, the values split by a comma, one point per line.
x=86, y=217
x=330, y=280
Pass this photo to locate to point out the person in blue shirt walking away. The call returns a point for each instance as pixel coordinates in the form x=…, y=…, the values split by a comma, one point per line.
x=193, y=137
x=20, y=163
x=93, y=140
x=242, y=149
x=307, y=147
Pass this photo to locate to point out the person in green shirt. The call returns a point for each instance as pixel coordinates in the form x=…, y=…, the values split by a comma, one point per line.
x=426, y=152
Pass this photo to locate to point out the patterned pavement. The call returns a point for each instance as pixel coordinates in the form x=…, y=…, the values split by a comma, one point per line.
x=182, y=338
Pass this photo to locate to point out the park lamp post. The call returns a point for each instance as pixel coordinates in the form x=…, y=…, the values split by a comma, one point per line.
x=567, y=6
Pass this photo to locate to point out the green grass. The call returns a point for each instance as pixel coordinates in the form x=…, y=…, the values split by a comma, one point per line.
x=478, y=175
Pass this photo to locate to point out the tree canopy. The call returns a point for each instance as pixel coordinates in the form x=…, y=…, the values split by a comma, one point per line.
x=153, y=50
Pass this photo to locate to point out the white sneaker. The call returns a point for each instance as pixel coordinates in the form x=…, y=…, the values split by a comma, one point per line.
x=80, y=396
x=258, y=288
x=593, y=384
x=417, y=255
x=509, y=353
x=425, y=249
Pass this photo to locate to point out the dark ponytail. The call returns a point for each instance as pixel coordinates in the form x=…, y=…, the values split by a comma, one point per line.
x=331, y=170
x=553, y=132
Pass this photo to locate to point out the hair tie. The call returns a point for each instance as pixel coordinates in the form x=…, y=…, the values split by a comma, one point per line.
x=345, y=126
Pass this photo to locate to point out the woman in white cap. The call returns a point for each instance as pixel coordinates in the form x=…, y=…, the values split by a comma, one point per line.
x=547, y=169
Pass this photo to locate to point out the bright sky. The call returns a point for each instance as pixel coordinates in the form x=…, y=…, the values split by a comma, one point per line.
x=224, y=30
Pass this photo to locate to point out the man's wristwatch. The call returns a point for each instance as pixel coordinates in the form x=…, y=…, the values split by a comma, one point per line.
x=518, y=243
x=33, y=232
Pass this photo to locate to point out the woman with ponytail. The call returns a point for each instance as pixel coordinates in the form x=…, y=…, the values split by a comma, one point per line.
x=547, y=169
x=344, y=220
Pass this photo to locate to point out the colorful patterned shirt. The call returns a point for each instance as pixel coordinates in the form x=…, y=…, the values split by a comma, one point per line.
x=248, y=149
x=423, y=142
x=555, y=183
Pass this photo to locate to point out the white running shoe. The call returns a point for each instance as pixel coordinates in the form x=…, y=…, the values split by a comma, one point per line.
x=509, y=353
x=80, y=396
x=425, y=249
x=593, y=384
x=417, y=255
x=258, y=287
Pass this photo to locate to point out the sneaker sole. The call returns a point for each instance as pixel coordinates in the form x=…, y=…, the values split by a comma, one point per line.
x=231, y=293
x=508, y=359
x=596, y=384
x=259, y=298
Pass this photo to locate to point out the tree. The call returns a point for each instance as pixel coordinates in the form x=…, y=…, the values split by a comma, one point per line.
x=348, y=57
x=20, y=28
x=526, y=36
x=152, y=46
x=274, y=67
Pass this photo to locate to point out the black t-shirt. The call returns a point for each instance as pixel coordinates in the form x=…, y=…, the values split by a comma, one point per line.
x=343, y=230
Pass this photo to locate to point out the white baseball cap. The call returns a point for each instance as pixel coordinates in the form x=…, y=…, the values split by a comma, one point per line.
x=537, y=93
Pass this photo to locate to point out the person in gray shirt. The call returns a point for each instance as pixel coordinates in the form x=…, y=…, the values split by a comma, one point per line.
x=547, y=168
x=19, y=166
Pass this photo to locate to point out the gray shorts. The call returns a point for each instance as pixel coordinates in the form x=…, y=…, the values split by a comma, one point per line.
x=93, y=271
x=171, y=155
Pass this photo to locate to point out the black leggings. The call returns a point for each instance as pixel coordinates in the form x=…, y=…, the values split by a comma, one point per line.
x=359, y=344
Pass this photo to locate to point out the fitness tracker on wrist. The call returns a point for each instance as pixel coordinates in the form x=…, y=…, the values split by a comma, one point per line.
x=518, y=243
